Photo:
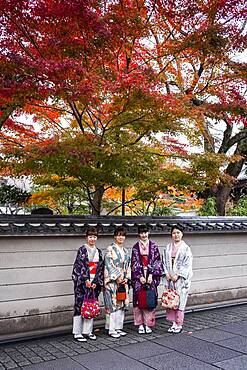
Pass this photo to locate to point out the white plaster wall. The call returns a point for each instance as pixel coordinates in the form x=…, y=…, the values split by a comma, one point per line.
x=36, y=291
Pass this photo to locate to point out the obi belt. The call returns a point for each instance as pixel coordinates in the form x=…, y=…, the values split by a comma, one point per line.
x=92, y=269
x=144, y=260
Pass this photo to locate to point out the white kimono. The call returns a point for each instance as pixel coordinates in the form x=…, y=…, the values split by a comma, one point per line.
x=182, y=267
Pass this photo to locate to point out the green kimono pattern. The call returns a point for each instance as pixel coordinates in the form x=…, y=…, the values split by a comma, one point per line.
x=117, y=265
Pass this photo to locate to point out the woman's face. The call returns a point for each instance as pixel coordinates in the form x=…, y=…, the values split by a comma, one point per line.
x=91, y=240
x=144, y=236
x=177, y=235
x=119, y=239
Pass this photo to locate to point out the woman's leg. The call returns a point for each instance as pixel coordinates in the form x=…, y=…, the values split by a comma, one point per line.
x=116, y=320
x=149, y=317
x=107, y=320
x=179, y=317
x=119, y=317
x=112, y=322
x=87, y=326
x=120, y=322
x=138, y=316
x=77, y=325
x=171, y=315
x=77, y=329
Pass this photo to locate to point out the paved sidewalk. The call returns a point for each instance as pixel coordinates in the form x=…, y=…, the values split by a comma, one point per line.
x=212, y=339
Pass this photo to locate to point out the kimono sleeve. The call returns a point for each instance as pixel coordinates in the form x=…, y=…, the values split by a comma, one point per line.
x=112, y=271
x=99, y=276
x=136, y=268
x=185, y=268
x=128, y=269
x=166, y=260
x=80, y=272
x=157, y=268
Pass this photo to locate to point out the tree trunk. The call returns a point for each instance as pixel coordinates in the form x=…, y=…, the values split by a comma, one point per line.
x=97, y=200
x=222, y=195
x=233, y=170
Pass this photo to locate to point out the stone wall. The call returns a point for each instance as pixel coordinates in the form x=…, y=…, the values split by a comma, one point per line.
x=36, y=291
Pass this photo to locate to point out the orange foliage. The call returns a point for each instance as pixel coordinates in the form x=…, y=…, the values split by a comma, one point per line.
x=42, y=198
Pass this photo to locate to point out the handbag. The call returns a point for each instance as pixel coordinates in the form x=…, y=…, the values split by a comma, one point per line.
x=170, y=299
x=147, y=299
x=90, y=307
x=121, y=292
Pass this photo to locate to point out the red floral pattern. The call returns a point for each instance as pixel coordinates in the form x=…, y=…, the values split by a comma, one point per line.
x=90, y=308
x=170, y=299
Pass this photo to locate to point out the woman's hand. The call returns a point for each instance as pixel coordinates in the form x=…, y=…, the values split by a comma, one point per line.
x=168, y=276
x=88, y=283
x=174, y=278
x=93, y=286
x=120, y=280
x=142, y=280
x=150, y=279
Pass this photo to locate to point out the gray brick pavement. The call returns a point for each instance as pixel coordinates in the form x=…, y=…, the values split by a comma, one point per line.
x=211, y=339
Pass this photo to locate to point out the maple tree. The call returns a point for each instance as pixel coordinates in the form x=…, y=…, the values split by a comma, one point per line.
x=167, y=203
x=60, y=197
x=195, y=43
x=12, y=198
x=122, y=72
x=89, y=66
x=72, y=162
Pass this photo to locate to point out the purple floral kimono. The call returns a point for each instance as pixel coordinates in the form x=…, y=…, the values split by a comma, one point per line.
x=155, y=267
x=80, y=274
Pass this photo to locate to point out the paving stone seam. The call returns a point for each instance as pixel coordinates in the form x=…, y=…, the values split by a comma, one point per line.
x=20, y=354
x=186, y=354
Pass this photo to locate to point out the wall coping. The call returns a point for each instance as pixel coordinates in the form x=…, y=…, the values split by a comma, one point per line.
x=55, y=225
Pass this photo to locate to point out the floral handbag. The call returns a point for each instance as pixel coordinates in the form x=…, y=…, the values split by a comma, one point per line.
x=90, y=307
x=170, y=299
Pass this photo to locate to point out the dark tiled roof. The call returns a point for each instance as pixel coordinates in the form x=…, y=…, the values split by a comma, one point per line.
x=39, y=225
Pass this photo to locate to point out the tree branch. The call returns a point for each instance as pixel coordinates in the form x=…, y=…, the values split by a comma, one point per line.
x=226, y=137
x=242, y=135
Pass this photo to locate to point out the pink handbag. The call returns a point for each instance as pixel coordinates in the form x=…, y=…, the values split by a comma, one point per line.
x=90, y=307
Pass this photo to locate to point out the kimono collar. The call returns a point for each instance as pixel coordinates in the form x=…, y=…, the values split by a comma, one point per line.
x=91, y=251
x=120, y=250
x=144, y=247
x=175, y=247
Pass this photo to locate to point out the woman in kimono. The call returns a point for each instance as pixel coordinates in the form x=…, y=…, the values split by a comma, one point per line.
x=87, y=276
x=116, y=273
x=146, y=268
x=178, y=275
